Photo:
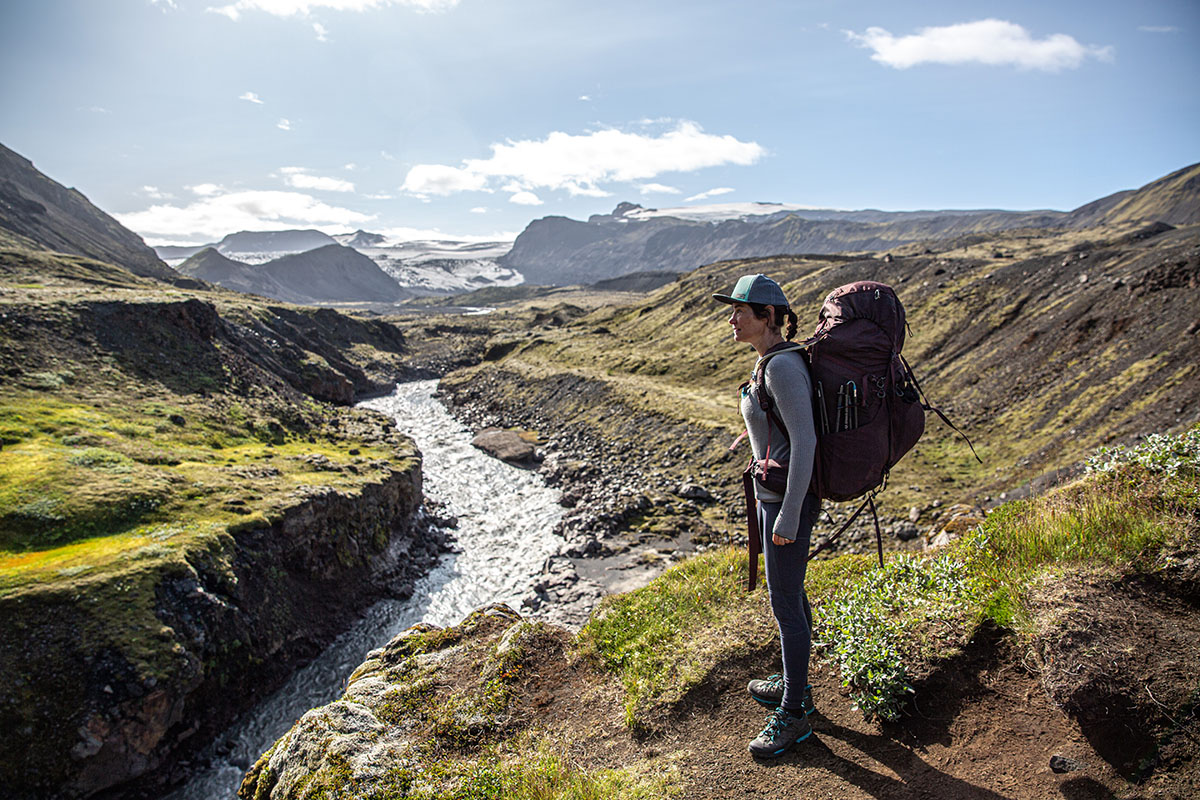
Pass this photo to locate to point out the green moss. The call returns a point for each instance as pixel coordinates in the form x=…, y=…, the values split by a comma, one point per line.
x=409, y=700
x=75, y=472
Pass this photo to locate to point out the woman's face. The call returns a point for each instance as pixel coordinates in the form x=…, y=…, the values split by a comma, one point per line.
x=747, y=328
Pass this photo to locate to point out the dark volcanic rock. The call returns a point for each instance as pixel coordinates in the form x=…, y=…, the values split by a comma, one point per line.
x=335, y=274
x=210, y=265
x=296, y=241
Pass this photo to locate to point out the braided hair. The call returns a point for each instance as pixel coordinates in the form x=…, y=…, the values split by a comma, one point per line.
x=781, y=313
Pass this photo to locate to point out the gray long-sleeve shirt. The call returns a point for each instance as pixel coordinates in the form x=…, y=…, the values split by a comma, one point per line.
x=790, y=389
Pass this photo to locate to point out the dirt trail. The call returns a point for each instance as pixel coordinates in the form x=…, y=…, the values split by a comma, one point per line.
x=988, y=732
x=983, y=728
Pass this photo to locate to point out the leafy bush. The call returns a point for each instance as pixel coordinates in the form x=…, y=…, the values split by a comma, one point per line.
x=1174, y=455
x=876, y=628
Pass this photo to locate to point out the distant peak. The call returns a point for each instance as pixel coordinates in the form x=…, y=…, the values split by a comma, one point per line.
x=624, y=208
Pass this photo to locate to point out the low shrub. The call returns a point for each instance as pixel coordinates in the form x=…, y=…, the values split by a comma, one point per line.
x=1173, y=455
x=876, y=630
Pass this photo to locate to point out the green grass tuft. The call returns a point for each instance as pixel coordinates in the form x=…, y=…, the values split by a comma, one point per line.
x=662, y=639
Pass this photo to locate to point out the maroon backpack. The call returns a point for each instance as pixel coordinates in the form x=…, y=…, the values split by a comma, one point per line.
x=867, y=406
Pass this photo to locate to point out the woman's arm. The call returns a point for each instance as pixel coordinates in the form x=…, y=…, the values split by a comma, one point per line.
x=790, y=388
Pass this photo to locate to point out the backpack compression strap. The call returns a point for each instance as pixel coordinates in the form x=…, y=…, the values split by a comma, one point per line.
x=868, y=503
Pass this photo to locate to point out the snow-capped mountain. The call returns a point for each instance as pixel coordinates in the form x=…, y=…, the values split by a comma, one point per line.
x=442, y=266
x=431, y=267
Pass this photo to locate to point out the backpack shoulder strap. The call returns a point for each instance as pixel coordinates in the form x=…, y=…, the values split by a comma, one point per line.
x=760, y=378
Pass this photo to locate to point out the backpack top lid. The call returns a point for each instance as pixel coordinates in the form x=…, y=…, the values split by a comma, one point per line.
x=869, y=300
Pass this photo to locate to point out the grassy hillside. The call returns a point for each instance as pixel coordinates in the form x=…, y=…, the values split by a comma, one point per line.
x=1171, y=199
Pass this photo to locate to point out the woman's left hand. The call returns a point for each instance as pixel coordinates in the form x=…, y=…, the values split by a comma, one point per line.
x=780, y=541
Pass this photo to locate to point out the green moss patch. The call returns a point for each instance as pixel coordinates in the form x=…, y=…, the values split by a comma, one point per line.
x=80, y=483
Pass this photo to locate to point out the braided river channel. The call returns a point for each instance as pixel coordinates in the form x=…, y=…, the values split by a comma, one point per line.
x=505, y=518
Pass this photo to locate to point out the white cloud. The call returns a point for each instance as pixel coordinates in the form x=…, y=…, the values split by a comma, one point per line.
x=708, y=194
x=321, y=31
x=98, y=110
x=657, y=188
x=426, y=179
x=386, y=155
x=251, y=96
x=206, y=189
x=381, y=196
x=525, y=199
x=289, y=8
x=993, y=42
x=221, y=212
x=1158, y=29
x=580, y=163
x=575, y=190
x=350, y=167
x=584, y=97
x=479, y=210
x=284, y=124
x=164, y=5
x=154, y=194
x=299, y=178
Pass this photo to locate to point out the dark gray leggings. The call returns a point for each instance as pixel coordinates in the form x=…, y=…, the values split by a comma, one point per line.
x=786, y=566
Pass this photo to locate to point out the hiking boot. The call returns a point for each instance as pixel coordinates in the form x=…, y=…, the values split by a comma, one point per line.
x=769, y=693
x=783, y=730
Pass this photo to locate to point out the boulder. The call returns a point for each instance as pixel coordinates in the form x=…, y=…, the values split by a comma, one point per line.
x=504, y=445
x=953, y=523
x=693, y=491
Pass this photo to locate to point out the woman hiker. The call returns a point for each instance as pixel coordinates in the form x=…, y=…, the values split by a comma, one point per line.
x=785, y=520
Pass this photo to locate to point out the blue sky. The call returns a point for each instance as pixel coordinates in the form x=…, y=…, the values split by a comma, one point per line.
x=189, y=119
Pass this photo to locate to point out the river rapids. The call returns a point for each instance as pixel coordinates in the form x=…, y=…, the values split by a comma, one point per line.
x=505, y=519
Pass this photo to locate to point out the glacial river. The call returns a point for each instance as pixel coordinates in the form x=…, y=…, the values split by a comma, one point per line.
x=505, y=516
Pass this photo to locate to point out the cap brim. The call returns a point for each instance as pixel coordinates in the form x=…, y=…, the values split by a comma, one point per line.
x=724, y=298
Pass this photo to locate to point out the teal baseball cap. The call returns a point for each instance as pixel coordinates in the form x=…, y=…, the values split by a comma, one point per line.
x=757, y=289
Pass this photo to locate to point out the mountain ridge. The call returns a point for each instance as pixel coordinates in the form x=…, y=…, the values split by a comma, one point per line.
x=557, y=250
x=331, y=273
x=40, y=210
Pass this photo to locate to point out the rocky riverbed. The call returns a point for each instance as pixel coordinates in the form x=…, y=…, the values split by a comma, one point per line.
x=641, y=495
